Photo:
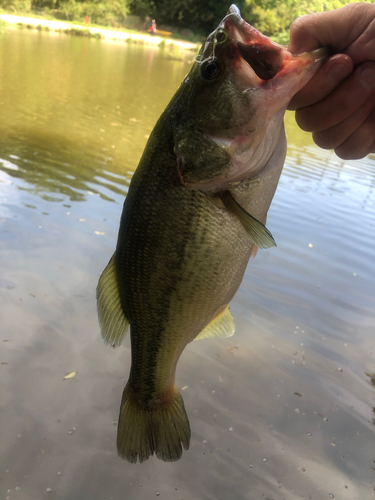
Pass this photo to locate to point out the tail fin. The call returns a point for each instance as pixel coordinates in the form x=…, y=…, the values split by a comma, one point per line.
x=142, y=432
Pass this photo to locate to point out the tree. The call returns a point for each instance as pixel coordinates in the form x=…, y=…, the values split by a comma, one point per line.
x=192, y=14
x=273, y=18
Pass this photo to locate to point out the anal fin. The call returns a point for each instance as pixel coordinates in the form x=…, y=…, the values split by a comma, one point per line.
x=113, y=322
x=221, y=326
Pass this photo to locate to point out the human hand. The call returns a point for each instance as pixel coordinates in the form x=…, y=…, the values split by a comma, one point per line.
x=338, y=104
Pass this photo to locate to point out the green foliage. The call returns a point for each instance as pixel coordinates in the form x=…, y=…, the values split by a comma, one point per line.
x=45, y=4
x=192, y=14
x=142, y=8
x=273, y=18
x=100, y=11
x=16, y=5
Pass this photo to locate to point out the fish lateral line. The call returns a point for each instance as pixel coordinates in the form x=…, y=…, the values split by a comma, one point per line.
x=258, y=232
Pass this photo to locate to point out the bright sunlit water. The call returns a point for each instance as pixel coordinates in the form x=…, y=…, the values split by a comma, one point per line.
x=282, y=410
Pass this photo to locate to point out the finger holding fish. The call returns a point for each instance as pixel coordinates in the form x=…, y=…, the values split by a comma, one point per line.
x=357, y=90
x=361, y=142
x=337, y=105
x=335, y=118
x=333, y=137
x=333, y=72
x=349, y=30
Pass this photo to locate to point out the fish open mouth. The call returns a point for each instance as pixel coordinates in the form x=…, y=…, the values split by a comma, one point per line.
x=265, y=57
x=265, y=62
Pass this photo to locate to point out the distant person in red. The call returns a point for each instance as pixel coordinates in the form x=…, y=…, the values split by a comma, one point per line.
x=86, y=19
x=153, y=27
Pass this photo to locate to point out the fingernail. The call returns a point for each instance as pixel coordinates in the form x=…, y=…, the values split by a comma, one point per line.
x=339, y=71
x=368, y=77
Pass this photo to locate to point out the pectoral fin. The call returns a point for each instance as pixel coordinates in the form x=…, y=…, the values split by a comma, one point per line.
x=221, y=326
x=113, y=322
x=258, y=231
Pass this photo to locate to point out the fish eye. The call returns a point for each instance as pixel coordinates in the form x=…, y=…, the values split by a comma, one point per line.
x=221, y=36
x=210, y=70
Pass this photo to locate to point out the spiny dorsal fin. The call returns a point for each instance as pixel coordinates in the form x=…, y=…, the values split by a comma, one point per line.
x=221, y=326
x=113, y=322
x=258, y=231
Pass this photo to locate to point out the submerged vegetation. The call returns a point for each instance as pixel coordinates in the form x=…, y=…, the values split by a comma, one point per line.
x=271, y=17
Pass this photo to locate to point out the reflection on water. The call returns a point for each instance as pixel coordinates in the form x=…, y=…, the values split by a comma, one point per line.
x=57, y=168
x=282, y=410
x=372, y=380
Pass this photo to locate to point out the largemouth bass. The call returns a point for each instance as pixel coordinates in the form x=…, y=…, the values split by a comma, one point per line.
x=194, y=214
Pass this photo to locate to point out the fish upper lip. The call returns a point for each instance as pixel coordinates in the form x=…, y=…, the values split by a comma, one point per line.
x=264, y=56
x=233, y=9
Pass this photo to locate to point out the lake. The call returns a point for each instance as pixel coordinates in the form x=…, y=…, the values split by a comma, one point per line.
x=284, y=409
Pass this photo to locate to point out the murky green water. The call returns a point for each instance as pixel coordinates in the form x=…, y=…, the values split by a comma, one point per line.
x=282, y=410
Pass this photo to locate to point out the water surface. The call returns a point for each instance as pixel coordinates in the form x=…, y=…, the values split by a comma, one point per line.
x=282, y=410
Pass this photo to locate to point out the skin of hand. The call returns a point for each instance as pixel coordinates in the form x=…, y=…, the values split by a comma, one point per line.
x=338, y=104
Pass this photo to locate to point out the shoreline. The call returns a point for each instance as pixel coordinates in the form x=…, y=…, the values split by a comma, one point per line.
x=105, y=33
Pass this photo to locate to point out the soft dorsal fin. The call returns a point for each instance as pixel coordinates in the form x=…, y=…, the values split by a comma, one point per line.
x=113, y=322
x=221, y=326
x=258, y=231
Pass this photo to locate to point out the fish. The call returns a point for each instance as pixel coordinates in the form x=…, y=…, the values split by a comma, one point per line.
x=194, y=214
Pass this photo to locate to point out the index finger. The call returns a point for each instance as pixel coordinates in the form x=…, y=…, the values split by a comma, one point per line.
x=350, y=29
x=356, y=91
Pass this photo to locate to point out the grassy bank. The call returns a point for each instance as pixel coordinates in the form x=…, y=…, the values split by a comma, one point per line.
x=90, y=30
